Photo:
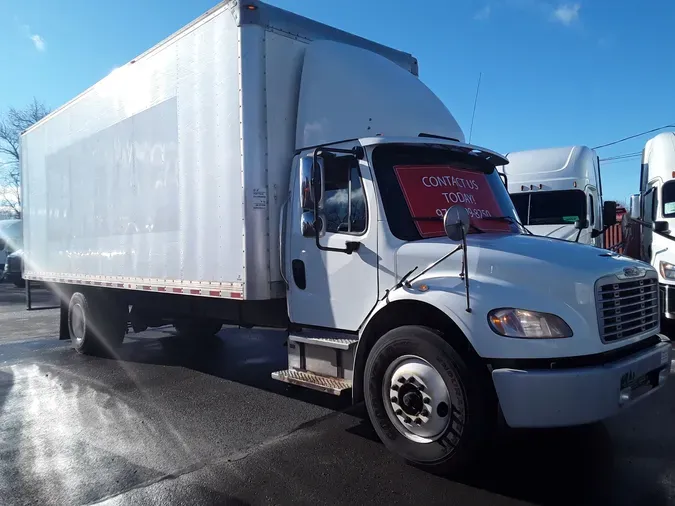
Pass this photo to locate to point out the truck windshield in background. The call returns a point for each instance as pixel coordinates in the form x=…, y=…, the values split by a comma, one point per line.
x=668, y=197
x=560, y=207
x=419, y=183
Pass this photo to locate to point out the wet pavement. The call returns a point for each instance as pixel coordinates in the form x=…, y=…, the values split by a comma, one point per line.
x=174, y=421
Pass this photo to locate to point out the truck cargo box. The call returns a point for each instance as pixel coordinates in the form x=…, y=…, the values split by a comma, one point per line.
x=169, y=174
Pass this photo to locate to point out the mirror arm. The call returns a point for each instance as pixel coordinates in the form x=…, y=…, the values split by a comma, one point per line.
x=465, y=268
x=409, y=282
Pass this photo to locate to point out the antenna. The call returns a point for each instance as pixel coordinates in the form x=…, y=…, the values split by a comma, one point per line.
x=475, y=101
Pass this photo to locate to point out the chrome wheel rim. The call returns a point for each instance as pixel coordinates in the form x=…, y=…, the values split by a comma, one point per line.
x=417, y=400
x=77, y=323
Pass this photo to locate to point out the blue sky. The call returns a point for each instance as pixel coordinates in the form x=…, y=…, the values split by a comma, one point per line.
x=553, y=73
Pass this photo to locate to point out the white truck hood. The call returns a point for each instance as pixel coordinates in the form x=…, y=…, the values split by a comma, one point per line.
x=521, y=259
x=520, y=271
x=566, y=232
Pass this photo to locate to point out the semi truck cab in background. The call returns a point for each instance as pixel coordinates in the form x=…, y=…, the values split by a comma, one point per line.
x=321, y=188
x=11, y=232
x=655, y=207
x=558, y=193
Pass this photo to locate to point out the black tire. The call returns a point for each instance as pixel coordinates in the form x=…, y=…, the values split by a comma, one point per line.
x=97, y=322
x=201, y=328
x=471, y=424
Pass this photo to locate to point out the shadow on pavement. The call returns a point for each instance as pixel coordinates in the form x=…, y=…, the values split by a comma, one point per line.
x=570, y=466
x=244, y=356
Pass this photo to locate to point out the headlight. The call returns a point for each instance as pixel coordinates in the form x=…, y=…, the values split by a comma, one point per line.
x=521, y=323
x=667, y=270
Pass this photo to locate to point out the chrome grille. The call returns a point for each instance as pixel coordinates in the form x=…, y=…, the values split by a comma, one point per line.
x=628, y=308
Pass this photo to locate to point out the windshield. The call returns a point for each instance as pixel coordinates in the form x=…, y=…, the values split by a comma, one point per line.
x=418, y=183
x=668, y=197
x=550, y=208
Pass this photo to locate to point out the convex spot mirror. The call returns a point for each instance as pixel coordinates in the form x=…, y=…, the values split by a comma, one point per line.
x=581, y=224
x=660, y=226
x=456, y=223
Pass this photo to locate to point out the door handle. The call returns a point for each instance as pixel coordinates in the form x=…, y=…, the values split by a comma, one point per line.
x=299, y=276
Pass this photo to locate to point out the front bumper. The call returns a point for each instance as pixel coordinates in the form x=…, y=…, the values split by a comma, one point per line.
x=576, y=396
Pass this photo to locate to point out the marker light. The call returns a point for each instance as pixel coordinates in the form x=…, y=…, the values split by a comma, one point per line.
x=667, y=270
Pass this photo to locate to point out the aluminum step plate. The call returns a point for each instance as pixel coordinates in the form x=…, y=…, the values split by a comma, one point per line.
x=334, y=386
x=331, y=341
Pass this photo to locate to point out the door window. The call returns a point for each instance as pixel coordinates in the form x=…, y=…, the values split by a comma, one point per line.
x=344, y=200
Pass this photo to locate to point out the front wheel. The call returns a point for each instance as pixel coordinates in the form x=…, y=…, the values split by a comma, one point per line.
x=424, y=401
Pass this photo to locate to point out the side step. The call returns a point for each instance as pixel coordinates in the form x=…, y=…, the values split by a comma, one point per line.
x=322, y=361
x=334, y=386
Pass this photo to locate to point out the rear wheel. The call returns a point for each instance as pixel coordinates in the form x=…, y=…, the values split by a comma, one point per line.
x=96, y=322
x=201, y=328
x=424, y=401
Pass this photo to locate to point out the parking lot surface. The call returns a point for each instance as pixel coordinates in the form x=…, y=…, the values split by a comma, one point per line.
x=177, y=421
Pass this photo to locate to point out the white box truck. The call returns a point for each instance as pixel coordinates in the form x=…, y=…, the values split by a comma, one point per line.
x=558, y=193
x=654, y=208
x=259, y=168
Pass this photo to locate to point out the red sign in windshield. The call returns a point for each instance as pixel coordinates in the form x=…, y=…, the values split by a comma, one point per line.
x=430, y=190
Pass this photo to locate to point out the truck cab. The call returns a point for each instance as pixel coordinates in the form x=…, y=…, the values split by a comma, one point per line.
x=378, y=279
x=654, y=206
x=558, y=193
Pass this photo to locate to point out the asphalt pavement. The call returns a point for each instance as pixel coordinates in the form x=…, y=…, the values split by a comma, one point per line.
x=177, y=421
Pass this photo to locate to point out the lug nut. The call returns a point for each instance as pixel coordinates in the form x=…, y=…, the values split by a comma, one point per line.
x=407, y=419
x=411, y=380
x=427, y=400
x=418, y=421
x=399, y=412
x=401, y=379
x=394, y=400
x=394, y=388
x=421, y=387
x=425, y=413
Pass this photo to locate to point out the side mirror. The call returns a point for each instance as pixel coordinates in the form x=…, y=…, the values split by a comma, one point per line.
x=635, y=205
x=308, y=224
x=311, y=183
x=456, y=223
x=609, y=213
x=661, y=226
x=581, y=224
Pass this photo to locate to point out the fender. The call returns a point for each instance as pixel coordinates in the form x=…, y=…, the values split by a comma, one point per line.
x=403, y=306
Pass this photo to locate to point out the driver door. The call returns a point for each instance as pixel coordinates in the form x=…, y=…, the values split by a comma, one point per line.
x=334, y=289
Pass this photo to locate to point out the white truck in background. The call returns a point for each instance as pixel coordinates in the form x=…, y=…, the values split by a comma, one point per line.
x=558, y=193
x=11, y=232
x=654, y=207
x=259, y=168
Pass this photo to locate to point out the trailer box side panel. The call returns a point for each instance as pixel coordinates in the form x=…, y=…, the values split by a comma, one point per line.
x=140, y=178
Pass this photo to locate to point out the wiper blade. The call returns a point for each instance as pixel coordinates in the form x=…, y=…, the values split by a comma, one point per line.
x=507, y=219
x=438, y=218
